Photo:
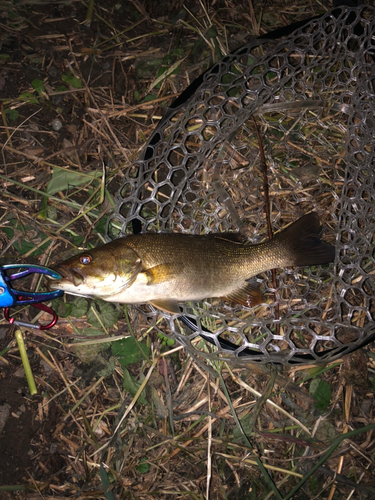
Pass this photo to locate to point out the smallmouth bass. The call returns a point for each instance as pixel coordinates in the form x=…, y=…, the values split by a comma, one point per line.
x=163, y=269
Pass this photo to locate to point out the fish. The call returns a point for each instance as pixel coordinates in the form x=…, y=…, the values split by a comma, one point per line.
x=165, y=269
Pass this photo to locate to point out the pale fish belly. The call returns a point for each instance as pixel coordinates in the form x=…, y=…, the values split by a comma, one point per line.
x=177, y=289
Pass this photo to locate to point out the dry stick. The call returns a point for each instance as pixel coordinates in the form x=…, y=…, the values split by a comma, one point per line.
x=25, y=362
x=268, y=215
x=168, y=395
x=265, y=396
x=89, y=93
x=147, y=105
x=209, y=441
x=262, y=400
x=253, y=18
x=63, y=377
x=9, y=137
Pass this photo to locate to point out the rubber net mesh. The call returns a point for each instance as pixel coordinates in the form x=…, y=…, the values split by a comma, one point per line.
x=312, y=97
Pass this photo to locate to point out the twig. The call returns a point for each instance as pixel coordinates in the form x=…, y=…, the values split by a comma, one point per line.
x=25, y=362
x=268, y=215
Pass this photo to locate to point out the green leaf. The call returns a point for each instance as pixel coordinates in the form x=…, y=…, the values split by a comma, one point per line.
x=150, y=97
x=76, y=239
x=35, y=58
x=4, y=57
x=178, y=53
x=80, y=306
x=321, y=391
x=13, y=113
x=28, y=97
x=313, y=386
x=314, y=485
x=24, y=245
x=165, y=72
x=43, y=213
x=143, y=466
x=38, y=86
x=71, y=80
x=106, y=483
x=87, y=353
x=101, y=225
x=76, y=308
x=52, y=213
x=211, y=33
x=166, y=340
x=65, y=179
x=62, y=309
x=132, y=386
x=108, y=369
x=158, y=403
x=145, y=67
x=326, y=432
x=107, y=312
x=247, y=426
x=128, y=351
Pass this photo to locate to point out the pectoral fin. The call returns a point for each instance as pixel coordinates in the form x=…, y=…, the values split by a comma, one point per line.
x=161, y=273
x=133, y=276
x=248, y=295
x=166, y=305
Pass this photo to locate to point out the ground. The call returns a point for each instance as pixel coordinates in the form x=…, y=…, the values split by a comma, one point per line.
x=78, y=91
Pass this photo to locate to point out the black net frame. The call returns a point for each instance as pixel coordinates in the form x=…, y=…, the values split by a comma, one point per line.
x=312, y=97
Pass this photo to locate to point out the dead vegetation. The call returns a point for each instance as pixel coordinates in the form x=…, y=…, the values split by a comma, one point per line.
x=82, y=87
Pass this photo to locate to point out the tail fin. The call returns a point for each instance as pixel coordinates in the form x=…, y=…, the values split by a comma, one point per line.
x=303, y=240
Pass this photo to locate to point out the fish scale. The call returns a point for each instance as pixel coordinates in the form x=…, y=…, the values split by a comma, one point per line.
x=166, y=269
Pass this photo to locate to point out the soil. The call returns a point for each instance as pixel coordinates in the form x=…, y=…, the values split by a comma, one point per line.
x=16, y=457
x=26, y=438
x=42, y=446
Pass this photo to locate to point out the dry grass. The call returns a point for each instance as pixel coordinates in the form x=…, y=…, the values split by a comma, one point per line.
x=189, y=429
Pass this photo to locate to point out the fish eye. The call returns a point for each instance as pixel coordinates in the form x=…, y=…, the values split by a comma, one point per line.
x=85, y=259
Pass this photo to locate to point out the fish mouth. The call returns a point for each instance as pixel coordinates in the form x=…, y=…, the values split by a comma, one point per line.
x=69, y=275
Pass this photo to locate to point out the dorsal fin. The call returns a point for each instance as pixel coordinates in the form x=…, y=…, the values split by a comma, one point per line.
x=232, y=237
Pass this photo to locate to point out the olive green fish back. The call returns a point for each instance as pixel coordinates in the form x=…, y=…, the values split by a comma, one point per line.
x=311, y=95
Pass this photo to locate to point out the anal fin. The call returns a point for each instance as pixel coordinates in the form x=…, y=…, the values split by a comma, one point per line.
x=169, y=306
x=248, y=295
